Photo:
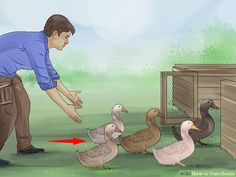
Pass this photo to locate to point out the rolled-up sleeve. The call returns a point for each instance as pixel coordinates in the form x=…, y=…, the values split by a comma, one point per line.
x=51, y=70
x=37, y=54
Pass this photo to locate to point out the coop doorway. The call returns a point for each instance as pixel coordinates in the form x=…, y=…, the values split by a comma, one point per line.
x=178, y=96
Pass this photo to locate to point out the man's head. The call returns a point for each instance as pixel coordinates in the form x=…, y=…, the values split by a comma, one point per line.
x=58, y=29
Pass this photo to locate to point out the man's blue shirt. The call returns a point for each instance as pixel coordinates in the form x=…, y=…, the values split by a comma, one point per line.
x=28, y=51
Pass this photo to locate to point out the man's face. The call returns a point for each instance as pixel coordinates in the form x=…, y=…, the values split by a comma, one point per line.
x=61, y=41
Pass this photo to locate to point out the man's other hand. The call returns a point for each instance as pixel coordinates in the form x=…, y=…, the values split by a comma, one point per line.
x=70, y=110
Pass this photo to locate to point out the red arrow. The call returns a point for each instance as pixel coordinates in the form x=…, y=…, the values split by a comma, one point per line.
x=73, y=140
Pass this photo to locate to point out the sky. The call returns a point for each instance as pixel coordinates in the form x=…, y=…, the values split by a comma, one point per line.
x=119, y=31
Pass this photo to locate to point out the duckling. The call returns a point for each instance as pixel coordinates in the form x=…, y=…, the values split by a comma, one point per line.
x=103, y=153
x=141, y=140
x=178, y=151
x=97, y=134
x=206, y=124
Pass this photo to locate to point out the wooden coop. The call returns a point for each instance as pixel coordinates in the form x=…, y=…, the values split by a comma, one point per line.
x=228, y=119
x=183, y=89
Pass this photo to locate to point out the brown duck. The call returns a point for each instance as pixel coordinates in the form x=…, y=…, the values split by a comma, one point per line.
x=143, y=139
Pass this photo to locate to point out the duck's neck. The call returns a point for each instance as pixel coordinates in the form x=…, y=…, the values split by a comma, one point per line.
x=208, y=120
x=116, y=116
x=185, y=136
x=204, y=112
x=109, y=139
x=151, y=123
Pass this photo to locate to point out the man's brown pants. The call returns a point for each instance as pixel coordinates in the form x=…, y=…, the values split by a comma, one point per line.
x=14, y=112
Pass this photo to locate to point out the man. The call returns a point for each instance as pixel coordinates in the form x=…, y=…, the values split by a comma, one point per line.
x=30, y=51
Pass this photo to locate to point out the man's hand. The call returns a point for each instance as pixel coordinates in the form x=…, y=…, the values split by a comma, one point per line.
x=74, y=98
x=70, y=110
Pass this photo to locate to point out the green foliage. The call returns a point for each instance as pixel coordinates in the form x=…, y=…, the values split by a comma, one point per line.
x=217, y=46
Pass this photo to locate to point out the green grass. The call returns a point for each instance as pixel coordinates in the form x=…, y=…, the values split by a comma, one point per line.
x=49, y=122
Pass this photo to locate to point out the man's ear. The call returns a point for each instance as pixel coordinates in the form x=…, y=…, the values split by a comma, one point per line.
x=55, y=34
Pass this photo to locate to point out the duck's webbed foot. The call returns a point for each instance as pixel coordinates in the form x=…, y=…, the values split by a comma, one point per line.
x=182, y=164
x=201, y=143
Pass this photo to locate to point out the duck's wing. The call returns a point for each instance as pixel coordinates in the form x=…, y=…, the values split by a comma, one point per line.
x=199, y=123
x=176, y=148
x=98, y=151
x=98, y=131
x=142, y=135
x=202, y=125
x=97, y=135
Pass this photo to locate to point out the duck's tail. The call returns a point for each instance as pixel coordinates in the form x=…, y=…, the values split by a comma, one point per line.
x=176, y=133
x=81, y=157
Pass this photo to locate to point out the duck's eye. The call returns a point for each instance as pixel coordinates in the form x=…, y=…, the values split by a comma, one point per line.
x=112, y=125
x=155, y=110
x=119, y=106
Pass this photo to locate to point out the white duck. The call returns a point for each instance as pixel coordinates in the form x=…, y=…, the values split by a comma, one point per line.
x=101, y=154
x=178, y=151
x=97, y=134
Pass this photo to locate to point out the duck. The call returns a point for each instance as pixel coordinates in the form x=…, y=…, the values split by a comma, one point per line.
x=97, y=134
x=206, y=124
x=138, y=142
x=99, y=155
x=174, y=153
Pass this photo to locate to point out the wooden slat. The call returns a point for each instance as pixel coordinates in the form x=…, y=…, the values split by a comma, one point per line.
x=228, y=106
x=185, y=78
x=206, y=65
x=228, y=92
x=180, y=69
x=228, y=82
x=209, y=70
x=229, y=146
x=183, y=107
x=228, y=131
x=188, y=87
x=209, y=93
x=183, y=96
x=218, y=72
x=163, y=93
x=212, y=81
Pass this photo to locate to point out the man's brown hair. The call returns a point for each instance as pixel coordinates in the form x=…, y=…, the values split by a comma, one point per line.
x=58, y=23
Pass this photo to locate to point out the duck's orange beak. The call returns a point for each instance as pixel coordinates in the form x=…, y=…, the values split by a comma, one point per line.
x=194, y=127
x=124, y=110
x=118, y=130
